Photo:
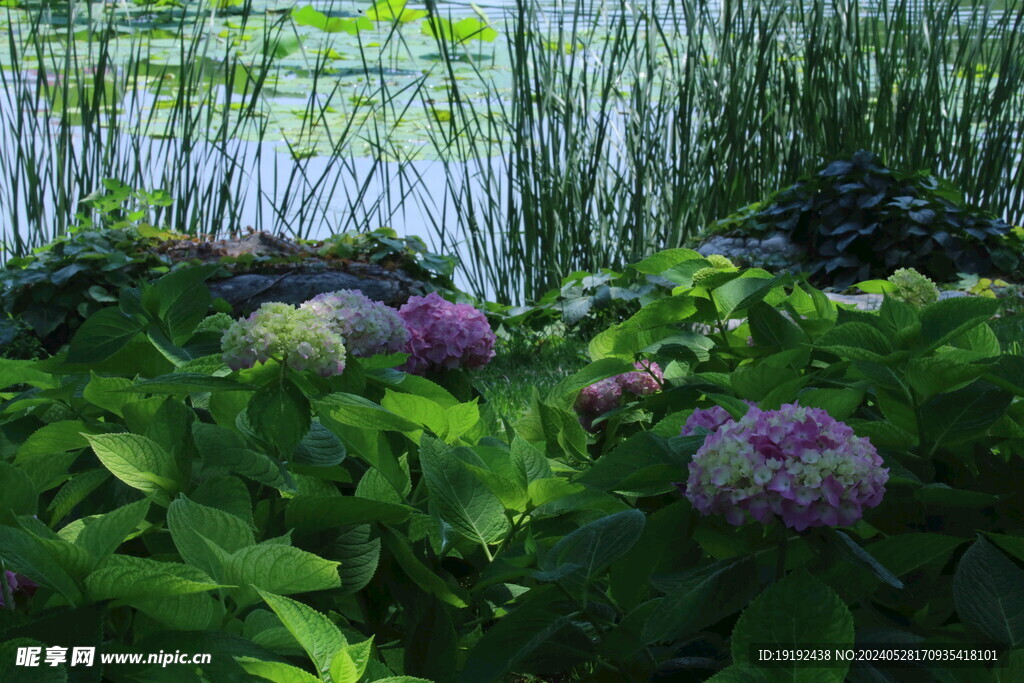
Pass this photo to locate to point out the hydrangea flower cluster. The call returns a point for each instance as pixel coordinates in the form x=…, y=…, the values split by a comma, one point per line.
x=16, y=583
x=368, y=327
x=296, y=336
x=647, y=379
x=600, y=397
x=796, y=463
x=443, y=335
x=913, y=288
x=597, y=399
x=709, y=418
x=218, y=322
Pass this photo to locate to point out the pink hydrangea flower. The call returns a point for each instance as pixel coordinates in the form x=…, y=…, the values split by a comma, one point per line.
x=601, y=397
x=18, y=583
x=443, y=335
x=647, y=380
x=795, y=463
x=368, y=327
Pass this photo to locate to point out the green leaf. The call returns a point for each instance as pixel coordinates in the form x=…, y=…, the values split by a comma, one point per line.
x=220, y=447
x=319, y=448
x=849, y=549
x=462, y=499
x=903, y=553
x=949, y=318
x=937, y=374
x=277, y=568
x=278, y=672
x=28, y=555
x=137, y=461
x=184, y=383
x=281, y=414
x=755, y=381
x=193, y=527
x=317, y=634
x=309, y=514
x=102, y=392
x=74, y=492
x=988, y=589
x=123, y=577
x=745, y=291
x=855, y=340
x=945, y=495
x=356, y=411
x=359, y=555
x=103, y=334
x=591, y=548
x=17, y=494
x=876, y=286
x=642, y=454
x=795, y=611
x=839, y=403
x=102, y=534
x=416, y=409
x=421, y=575
x=226, y=493
x=706, y=596
x=514, y=637
x=963, y=414
x=180, y=300
x=768, y=327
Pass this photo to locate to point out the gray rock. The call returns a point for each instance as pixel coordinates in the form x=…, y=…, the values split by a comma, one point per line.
x=248, y=291
x=775, y=251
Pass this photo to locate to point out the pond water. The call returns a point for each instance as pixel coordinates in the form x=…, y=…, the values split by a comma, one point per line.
x=349, y=130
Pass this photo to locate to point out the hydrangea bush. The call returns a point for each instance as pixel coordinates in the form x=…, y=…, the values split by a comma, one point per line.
x=444, y=336
x=795, y=463
x=368, y=327
x=297, y=337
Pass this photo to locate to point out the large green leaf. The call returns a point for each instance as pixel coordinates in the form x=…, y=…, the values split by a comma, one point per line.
x=432, y=583
x=796, y=611
x=102, y=534
x=29, y=555
x=937, y=374
x=988, y=589
x=103, y=392
x=180, y=300
x=855, y=340
x=280, y=413
x=103, y=334
x=310, y=514
x=581, y=556
x=137, y=461
x=643, y=453
x=963, y=414
x=193, y=527
x=947, y=319
x=514, y=637
x=356, y=411
x=17, y=494
x=704, y=597
x=463, y=500
x=220, y=447
x=317, y=634
x=184, y=383
x=319, y=447
x=359, y=554
x=124, y=577
x=737, y=295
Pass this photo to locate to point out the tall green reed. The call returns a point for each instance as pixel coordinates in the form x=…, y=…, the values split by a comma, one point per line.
x=631, y=127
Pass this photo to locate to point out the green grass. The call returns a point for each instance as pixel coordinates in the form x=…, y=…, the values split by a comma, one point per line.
x=509, y=380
